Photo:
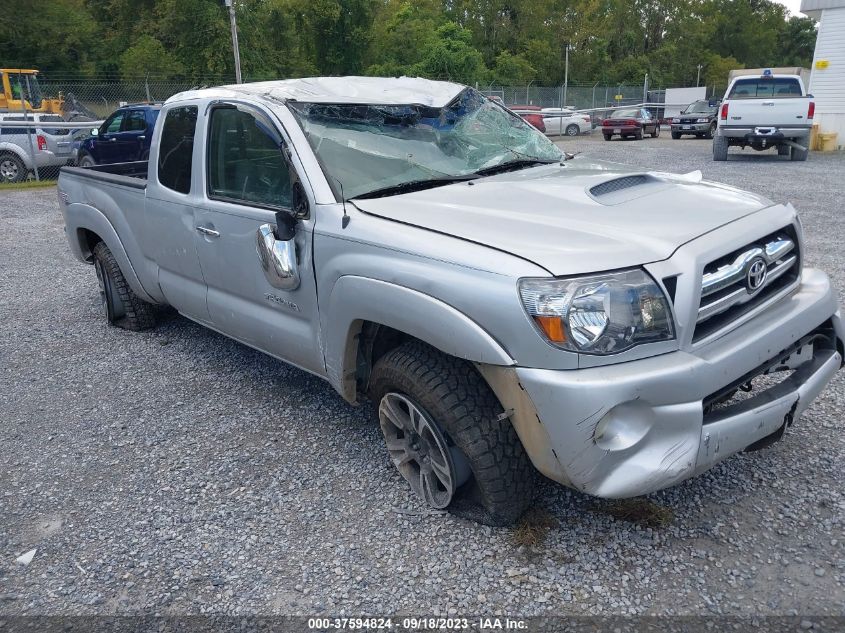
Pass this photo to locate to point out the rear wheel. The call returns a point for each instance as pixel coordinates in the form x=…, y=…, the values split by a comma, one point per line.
x=86, y=161
x=784, y=150
x=607, y=137
x=446, y=437
x=711, y=131
x=720, y=148
x=572, y=130
x=638, y=135
x=12, y=168
x=656, y=132
x=799, y=154
x=122, y=307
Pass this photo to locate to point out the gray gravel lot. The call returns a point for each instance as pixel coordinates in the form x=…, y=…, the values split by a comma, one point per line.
x=178, y=472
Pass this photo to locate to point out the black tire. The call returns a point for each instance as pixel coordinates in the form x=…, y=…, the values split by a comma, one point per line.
x=454, y=395
x=676, y=135
x=711, y=131
x=122, y=306
x=573, y=130
x=86, y=161
x=720, y=148
x=12, y=168
x=607, y=137
x=656, y=132
x=638, y=135
x=784, y=150
x=799, y=154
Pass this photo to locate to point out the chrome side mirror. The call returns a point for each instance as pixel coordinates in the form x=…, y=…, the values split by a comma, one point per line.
x=278, y=258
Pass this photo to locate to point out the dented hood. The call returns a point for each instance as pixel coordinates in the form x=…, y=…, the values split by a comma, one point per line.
x=581, y=217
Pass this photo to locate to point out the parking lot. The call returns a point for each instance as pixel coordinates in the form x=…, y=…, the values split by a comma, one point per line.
x=176, y=471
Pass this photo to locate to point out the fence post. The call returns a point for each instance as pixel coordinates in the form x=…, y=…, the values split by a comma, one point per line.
x=29, y=137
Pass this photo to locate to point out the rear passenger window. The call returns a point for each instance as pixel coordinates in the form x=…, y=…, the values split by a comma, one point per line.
x=176, y=148
x=135, y=121
x=245, y=162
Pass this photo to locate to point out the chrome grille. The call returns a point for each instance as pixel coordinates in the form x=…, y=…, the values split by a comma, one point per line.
x=735, y=284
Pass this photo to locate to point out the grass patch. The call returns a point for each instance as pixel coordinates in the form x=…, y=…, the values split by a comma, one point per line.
x=26, y=184
x=637, y=510
x=534, y=527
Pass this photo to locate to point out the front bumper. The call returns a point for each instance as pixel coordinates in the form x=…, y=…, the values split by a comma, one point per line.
x=690, y=128
x=655, y=406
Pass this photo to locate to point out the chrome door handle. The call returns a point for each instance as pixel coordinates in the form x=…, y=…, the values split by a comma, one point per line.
x=207, y=231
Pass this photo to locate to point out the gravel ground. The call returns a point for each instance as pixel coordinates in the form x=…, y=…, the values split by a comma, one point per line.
x=179, y=472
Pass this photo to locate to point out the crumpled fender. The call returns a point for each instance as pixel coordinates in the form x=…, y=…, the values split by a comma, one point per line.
x=355, y=299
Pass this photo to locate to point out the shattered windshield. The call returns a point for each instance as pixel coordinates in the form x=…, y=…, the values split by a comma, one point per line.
x=368, y=148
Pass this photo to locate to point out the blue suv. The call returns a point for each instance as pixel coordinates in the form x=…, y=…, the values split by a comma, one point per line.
x=124, y=137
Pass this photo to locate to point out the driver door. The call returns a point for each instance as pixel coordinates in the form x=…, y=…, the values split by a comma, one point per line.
x=247, y=181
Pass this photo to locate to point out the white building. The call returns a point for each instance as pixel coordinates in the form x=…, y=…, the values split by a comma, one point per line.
x=827, y=82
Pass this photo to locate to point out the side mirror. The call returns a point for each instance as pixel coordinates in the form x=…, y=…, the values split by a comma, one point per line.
x=277, y=252
x=95, y=131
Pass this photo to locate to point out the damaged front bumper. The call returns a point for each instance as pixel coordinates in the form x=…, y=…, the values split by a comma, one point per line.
x=630, y=428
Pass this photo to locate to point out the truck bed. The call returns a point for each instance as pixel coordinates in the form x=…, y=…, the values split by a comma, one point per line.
x=128, y=174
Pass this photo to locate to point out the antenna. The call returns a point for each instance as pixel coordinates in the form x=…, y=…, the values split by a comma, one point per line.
x=345, y=222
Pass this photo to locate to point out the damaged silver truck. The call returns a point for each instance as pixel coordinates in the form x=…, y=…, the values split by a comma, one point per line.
x=506, y=308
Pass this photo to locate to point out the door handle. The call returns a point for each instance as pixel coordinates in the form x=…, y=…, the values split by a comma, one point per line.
x=207, y=231
x=141, y=138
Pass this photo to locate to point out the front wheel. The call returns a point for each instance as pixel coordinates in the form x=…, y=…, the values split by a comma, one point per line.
x=676, y=135
x=446, y=437
x=121, y=306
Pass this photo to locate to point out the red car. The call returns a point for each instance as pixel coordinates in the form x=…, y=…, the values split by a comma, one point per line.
x=531, y=114
x=627, y=122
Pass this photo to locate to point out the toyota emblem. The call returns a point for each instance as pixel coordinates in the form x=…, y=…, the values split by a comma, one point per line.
x=756, y=275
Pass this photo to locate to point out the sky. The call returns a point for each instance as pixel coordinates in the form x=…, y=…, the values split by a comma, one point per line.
x=792, y=5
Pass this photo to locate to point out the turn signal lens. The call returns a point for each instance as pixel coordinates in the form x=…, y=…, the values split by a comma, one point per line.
x=552, y=327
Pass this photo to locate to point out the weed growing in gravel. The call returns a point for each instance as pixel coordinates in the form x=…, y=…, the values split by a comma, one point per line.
x=534, y=527
x=638, y=510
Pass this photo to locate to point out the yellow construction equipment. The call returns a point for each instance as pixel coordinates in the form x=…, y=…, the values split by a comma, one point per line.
x=21, y=90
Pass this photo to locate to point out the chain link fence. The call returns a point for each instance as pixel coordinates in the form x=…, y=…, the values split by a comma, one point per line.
x=94, y=100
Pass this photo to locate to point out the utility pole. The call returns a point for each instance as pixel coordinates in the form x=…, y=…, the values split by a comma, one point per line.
x=234, y=25
x=565, y=76
x=698, y=77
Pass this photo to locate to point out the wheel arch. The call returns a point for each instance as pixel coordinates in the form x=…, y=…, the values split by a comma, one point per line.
x=368, y=317
x=87, y=228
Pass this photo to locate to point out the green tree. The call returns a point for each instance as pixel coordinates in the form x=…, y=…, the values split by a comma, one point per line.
x=147, y=56
x=512, y=70
x=451, y=56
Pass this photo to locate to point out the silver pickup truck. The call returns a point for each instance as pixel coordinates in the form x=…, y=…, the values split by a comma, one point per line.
x=506, y=308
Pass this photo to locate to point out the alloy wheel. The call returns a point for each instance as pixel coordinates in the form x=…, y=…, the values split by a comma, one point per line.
x=9, y=170
x=425, y=458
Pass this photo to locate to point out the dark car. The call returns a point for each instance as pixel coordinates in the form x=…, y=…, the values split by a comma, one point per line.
x=698, y=119
x=124, y=137
x=627, y=122
x=530, y=114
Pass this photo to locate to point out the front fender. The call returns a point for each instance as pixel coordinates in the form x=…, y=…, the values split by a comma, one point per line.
x=355, y=299
x=81, y=217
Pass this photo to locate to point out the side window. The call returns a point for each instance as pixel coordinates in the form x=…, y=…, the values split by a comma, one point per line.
x=13, y=130
x=176, y=148
x=113, y=124
x=134, y=121
x=244, y=160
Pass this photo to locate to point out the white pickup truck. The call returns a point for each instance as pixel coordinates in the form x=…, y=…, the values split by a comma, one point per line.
x=763, y=112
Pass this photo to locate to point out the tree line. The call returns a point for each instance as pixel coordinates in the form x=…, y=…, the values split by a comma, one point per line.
x=503, y=42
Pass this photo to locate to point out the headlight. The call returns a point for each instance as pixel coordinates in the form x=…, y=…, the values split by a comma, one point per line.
x=676, y=120
x=702, y=120
x=599, y=314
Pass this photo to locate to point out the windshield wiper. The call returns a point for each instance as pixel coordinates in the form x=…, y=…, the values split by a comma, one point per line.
x=513, y=165
x=414, y=185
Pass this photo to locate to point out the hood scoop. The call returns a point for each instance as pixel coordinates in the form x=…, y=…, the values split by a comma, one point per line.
x=619, y=190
